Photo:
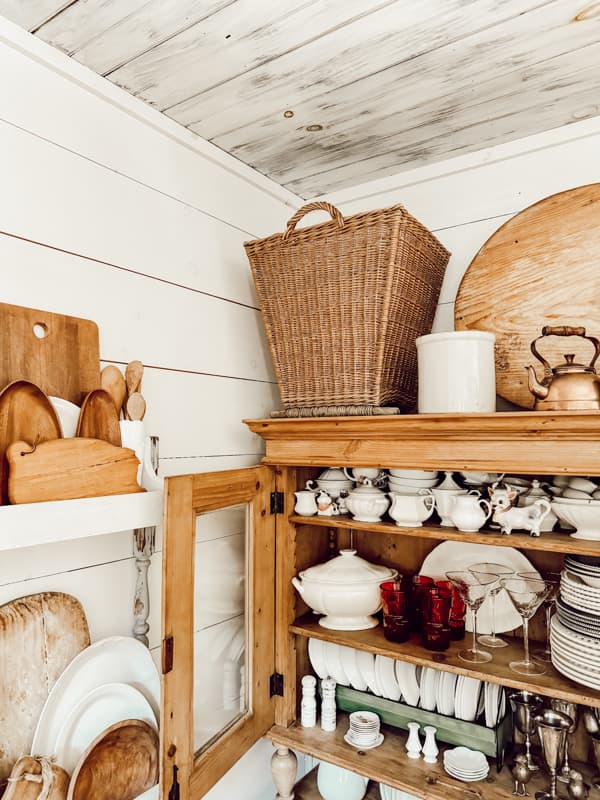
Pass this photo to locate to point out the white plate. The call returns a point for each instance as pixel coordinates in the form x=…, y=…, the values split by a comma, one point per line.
x=406, y=675
x=349, y=740
x=350, y=667
x=385, y=673
x=118, y=659
x=96, y=712
x=568, y=636
x=576, y=581
x=317, y=657
x=492, y=704
x=470, y=698
x=449, y=556
x=445, y=693
x=333, y=663
x=366, y=665
x=429, y=681
x=579, y=677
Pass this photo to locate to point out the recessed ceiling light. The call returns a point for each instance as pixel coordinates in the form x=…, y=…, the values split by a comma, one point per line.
x=288, y=114
x=312, y=128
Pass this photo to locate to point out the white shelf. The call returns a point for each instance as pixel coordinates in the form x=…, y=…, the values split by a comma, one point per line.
x=62, y=520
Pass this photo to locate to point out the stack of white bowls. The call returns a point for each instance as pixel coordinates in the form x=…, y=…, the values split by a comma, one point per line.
x=409, y=481
x=364, y=730
x=465, y=764
x=333, y=481
x=577, y=505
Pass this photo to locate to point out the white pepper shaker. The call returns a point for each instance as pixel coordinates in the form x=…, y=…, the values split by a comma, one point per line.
x=308, y=707
x=328, y=708
x=430, y=748
x=413, y=743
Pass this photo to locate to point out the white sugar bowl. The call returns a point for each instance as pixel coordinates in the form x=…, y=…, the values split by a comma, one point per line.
x=367, y=503
x=345, y=589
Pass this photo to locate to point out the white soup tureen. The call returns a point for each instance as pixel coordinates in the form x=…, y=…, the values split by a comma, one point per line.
x=345, y=589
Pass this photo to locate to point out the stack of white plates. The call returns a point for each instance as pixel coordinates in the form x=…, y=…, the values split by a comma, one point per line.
x=577, y=593
x=410, y=481
x=584, y=622
x=469, y=699
x=364, y=730
x=466, y=765
x=587, y=568
x=575, y=655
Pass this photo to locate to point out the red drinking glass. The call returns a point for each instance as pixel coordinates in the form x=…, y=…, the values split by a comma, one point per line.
x=395, y=598
x=420, y=583
x=457, y=611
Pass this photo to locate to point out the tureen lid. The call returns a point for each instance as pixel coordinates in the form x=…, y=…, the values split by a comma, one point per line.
x=333, y=474
x=366, y=489
x=348, y=567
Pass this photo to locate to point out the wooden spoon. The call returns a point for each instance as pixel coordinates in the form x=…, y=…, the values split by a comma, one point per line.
x=133, y=380
x=113, y=382
x=136, y=406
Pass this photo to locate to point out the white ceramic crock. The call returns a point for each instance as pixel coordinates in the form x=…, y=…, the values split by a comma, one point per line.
x=337, y=783
x=456, y=372
x=345, y=589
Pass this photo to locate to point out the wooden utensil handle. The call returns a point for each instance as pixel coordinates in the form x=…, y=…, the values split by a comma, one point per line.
x=562, y=330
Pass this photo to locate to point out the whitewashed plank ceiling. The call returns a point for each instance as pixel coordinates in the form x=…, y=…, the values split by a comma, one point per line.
x=323, y=94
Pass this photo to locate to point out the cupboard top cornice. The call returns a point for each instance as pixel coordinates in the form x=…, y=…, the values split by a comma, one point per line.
x=525, y=442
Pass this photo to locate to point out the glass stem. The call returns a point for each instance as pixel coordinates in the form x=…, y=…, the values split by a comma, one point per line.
x=526, y=638
x=474, y=613
x=548, y=621
x=494, y=615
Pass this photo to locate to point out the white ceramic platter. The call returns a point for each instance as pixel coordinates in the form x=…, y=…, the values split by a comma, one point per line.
x=118, y=659
x=350, y=667
x=449, y=556
x=317, y=658
x=97, y=711
x=445, y=693
x=385, y=672
x=429, y=681
x=406, y=675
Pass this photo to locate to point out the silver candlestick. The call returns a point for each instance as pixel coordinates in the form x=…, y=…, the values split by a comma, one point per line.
x=552, y=728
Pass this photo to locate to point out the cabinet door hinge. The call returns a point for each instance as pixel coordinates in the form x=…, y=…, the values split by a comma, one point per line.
x=167, y=654
x=174, y=790
x=276, y=502
x=276, y=684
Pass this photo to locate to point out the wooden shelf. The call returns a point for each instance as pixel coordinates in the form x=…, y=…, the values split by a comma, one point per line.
x=390, y=765
x=64, y=520
x=527, y=442
x=552, y=684
x=550, y=542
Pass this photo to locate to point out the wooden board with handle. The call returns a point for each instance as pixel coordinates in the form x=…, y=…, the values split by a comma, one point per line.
x=59, y=354
x=39, y=636
x=98, y=418
x=68, y=469
x=540, y=268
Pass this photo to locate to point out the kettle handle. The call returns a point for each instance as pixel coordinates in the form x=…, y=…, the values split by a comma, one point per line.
x=563, y=330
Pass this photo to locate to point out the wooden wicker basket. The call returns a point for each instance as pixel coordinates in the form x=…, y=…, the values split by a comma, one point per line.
x=343, y=303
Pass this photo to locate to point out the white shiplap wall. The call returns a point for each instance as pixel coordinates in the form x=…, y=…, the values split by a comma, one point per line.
x=465, y=199
x=111, y=212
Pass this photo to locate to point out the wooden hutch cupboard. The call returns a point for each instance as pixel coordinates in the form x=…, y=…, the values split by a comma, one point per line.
x=279, y=544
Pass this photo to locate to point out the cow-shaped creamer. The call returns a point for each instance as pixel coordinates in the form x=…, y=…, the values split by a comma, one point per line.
x=510, y=517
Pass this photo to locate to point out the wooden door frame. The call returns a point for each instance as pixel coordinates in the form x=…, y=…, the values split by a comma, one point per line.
x=185, y=497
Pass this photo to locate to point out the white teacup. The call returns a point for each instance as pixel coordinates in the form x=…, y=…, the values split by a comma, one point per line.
x=358, y=473
x=411, y=510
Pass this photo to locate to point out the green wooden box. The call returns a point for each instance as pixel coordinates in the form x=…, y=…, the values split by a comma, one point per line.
x=494, y=742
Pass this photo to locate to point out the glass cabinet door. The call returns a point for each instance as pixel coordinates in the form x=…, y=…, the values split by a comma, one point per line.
x=218, y=625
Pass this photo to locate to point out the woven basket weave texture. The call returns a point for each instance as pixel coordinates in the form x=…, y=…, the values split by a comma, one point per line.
x=343, y=303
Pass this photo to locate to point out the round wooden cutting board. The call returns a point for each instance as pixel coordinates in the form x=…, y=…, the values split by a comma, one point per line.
x=542, y=267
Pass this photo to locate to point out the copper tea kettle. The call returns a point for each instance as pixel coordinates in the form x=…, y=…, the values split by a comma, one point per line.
x=569, y=386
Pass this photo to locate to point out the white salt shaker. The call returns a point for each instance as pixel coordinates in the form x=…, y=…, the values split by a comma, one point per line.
x=328, y=708
x=308, y=707
x=430, y=748
x=413, y=743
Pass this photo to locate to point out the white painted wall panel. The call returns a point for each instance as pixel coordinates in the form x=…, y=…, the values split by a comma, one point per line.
x=85, y=175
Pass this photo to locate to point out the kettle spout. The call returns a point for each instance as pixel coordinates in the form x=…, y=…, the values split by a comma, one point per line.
x=535, y=387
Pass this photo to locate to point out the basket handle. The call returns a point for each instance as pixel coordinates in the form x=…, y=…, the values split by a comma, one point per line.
x=316, y=206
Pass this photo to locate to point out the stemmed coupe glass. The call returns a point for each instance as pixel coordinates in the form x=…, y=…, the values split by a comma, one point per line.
x=500, y=571
x=548, y=604
x=473, y=592
x=527, y=595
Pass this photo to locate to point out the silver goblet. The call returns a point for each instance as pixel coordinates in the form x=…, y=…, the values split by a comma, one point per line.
x=571, y=710
x=525, y=706
x=552, y=728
